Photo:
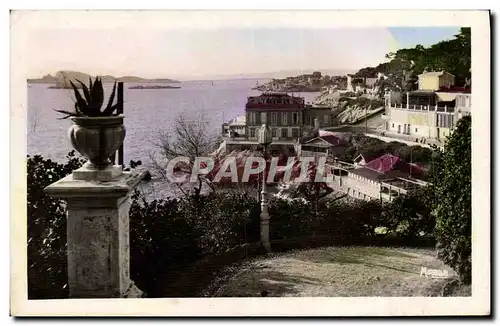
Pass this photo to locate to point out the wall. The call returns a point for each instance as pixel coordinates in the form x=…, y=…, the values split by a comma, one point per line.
x=279, y=132
x=362, y=188
x=428, y=124
x=446, y=97
x=423, y=121
x=320, y=114
x=435, y=82
x=392, y=98
x=265, y=116
x=446, y=80
x=463, y=101
x=428, y=82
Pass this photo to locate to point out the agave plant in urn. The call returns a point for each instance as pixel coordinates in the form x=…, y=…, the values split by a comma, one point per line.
x=97, y=132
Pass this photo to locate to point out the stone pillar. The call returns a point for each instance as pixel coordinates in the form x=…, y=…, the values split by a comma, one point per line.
x=264, y=214
x=98, y=234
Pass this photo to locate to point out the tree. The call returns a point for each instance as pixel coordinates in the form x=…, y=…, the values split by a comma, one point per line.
x=190, y=138
x=406, y=64
x=451, y=179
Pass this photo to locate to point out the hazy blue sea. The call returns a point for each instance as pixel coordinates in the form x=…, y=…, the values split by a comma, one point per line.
x=147, y=112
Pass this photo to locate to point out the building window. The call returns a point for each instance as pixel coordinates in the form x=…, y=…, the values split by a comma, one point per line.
x=325, y=119
x=416, y=129
x=284, y=133
x=251, y=117
x=284, y=118
x=393, y=125
x=252, y=132
x=295, y=132
x=274, y=118
x=274, y=132
x=295, y=118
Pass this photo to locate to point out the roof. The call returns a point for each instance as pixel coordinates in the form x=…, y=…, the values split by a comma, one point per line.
x=368, y=157
x=384, y=163
x=389, y=163
x=454, y=89
x=331, y=140
x=435, y=73
x=275, y=101
x=422, y=92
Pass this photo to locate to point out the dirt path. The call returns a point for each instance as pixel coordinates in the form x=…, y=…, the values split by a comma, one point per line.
x=339, y=271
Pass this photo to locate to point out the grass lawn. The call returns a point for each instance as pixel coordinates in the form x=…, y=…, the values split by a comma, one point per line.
x=340, y=272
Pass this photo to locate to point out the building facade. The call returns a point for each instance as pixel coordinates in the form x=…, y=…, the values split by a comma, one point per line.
x=430, y=112
x=283, y=113
x=288, y=117
x=383, y=178
x=432, y=81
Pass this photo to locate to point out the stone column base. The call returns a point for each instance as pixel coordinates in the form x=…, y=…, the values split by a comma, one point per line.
x=133, y=292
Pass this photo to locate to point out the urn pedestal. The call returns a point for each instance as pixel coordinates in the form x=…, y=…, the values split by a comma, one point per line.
x=97, y=138
x=98, y=235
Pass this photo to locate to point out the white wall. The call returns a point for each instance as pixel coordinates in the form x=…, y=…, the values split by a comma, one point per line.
x=421, y=123
x=358, y=186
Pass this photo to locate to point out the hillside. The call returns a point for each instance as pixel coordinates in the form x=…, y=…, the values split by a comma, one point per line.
x=404, y=65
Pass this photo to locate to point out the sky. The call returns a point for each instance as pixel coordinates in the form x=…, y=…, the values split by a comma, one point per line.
x=198, y=53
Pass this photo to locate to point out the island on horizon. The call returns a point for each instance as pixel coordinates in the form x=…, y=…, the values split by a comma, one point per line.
x=61, y=80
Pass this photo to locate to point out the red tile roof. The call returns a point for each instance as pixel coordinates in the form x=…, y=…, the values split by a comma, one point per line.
x=384, y=163
x=388, y=163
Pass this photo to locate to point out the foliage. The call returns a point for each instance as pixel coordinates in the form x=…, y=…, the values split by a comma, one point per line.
x=451, y=178
x=410, y=214
x=90, y=104
x=47, y=228
x=404, y=65
x=160, y=238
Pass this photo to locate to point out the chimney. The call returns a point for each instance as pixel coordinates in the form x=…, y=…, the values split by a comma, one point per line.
x=316, y=124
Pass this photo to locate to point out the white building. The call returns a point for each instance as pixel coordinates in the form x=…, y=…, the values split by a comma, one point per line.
x=430, y=112
x=383, y=178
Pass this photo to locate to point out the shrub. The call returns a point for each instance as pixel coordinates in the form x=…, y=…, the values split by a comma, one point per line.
x=451, y=178
x=47, y=264
x=410, y=214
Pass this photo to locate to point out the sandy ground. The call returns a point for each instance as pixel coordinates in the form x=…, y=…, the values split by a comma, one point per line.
x=340, y=272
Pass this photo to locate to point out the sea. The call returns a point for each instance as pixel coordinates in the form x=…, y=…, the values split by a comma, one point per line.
x=148, y=113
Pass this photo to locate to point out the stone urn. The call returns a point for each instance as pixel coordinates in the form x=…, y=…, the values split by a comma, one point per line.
x=97, y=138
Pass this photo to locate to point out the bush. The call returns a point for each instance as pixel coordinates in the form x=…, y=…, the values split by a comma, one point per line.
x=410, y=214
x=167, y=235
x=451, y=178
x=47, y=262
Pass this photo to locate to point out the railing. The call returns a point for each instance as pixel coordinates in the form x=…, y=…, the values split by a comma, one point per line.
x=413, y=107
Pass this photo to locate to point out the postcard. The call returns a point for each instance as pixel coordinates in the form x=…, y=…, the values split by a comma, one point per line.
x=250, y=163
